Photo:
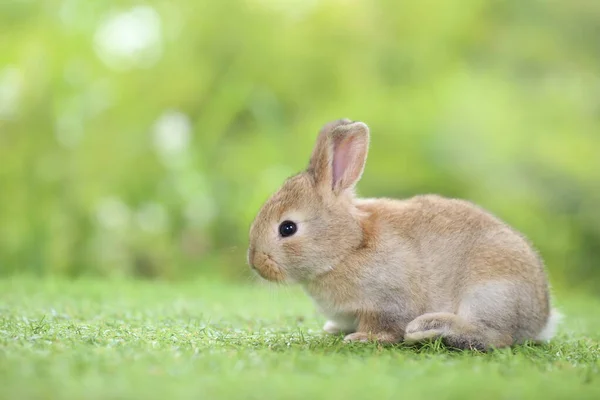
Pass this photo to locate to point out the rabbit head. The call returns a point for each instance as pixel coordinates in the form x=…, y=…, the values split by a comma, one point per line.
x=311, y=223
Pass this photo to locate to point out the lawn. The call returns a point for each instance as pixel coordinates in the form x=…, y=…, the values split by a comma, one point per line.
x=125, y=339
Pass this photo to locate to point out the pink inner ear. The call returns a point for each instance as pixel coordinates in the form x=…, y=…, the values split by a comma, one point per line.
x=342, y=156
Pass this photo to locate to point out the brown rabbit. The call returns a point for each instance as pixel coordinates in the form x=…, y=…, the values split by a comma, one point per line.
x=391, y=270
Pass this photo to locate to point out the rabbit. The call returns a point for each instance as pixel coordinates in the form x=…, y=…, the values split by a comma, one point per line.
x=388, y=271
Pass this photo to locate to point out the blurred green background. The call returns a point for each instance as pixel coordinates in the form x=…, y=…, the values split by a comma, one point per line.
x=140, y=138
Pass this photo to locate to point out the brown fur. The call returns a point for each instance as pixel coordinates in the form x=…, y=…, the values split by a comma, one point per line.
x=389, y=270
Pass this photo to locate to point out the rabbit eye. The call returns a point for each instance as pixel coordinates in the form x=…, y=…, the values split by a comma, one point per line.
x=287, y=228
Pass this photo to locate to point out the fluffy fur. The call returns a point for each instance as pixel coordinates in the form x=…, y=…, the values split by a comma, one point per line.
x=391, y=270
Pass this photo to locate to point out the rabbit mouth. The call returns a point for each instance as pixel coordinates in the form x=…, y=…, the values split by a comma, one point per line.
x=267, y=268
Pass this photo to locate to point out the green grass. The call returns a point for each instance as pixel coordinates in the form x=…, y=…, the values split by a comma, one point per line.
x=106, y=340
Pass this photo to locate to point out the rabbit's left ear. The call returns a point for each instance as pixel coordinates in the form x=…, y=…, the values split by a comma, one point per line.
x=340, y=155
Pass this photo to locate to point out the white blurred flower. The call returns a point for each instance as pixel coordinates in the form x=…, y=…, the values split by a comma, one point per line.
x=172, y=132
x=130, y=39
x=11, y=85
x=112, y=213
x=152, y=218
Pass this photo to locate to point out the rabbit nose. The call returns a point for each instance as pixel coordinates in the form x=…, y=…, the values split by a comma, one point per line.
x=251, y=254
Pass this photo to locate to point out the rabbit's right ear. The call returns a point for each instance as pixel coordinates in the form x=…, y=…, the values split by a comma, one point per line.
x=339, y=156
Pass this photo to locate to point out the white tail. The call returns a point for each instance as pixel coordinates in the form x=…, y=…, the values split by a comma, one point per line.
x=551, y=326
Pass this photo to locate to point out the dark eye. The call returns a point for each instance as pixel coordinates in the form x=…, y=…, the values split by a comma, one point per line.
x=287, y=228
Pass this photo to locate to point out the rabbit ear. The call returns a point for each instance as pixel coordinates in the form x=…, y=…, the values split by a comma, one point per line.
x=350, y=148
x=339, y=157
